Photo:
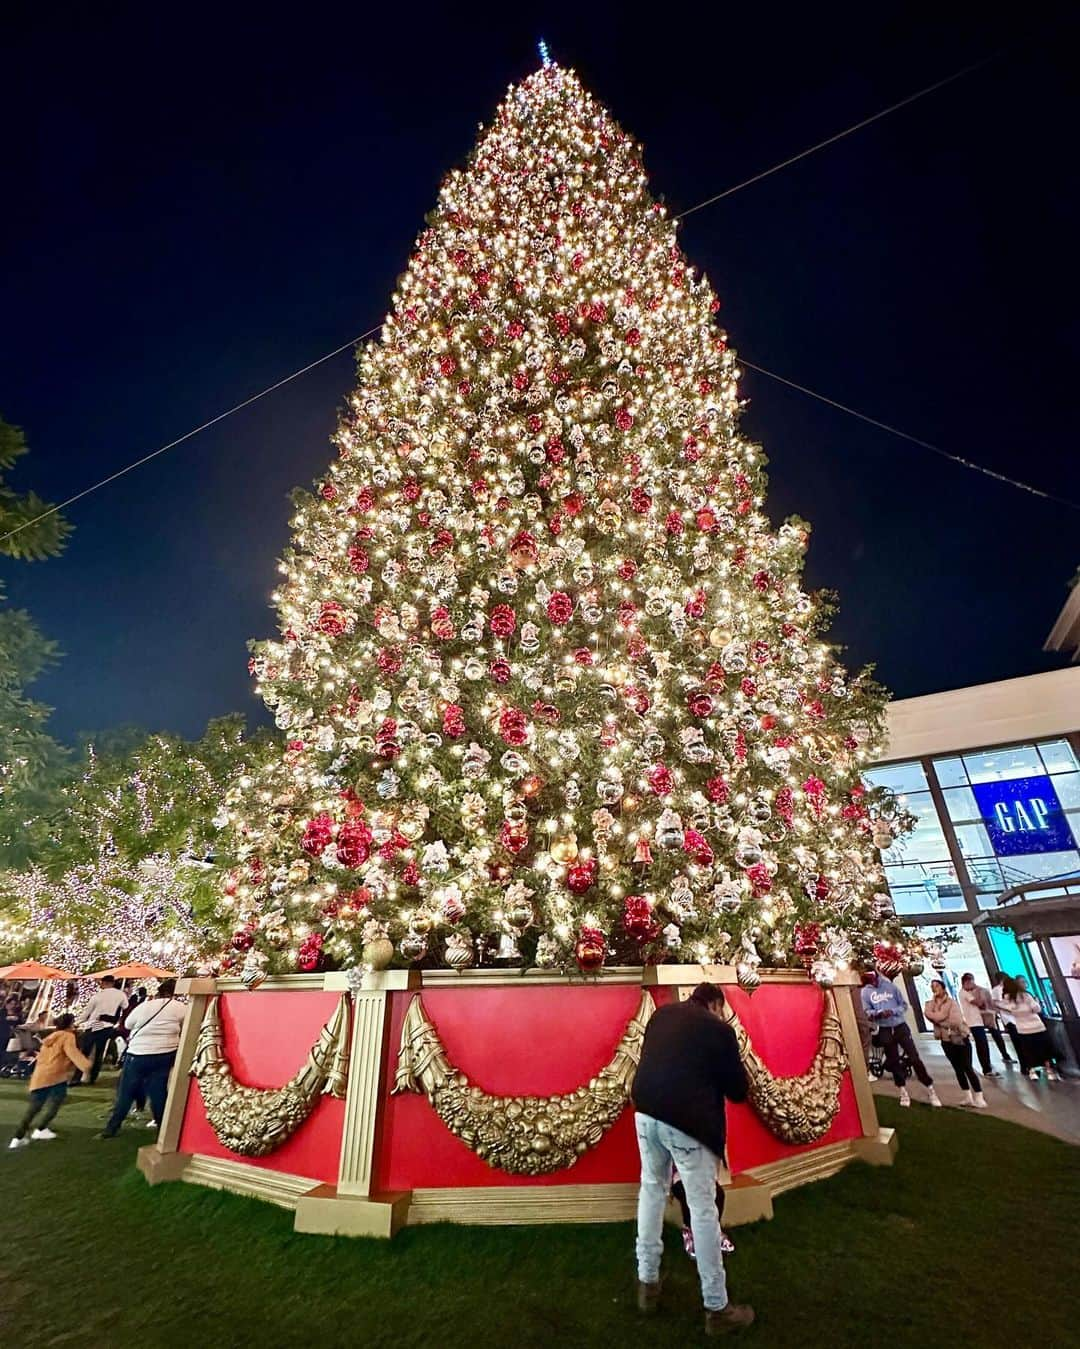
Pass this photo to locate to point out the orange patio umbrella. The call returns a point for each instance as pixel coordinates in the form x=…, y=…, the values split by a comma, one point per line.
x=34, y=969
x=135, y=969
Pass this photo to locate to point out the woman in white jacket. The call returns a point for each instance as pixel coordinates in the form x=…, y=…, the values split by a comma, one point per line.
x=1033, y=1042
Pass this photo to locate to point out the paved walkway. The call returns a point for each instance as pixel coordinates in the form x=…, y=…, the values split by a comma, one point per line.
x=1051, y=1107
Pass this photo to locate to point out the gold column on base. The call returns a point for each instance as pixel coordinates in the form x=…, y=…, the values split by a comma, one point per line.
x=349, y=1208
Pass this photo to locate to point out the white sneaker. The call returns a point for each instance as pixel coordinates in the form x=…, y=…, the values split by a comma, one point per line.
x=968, y=1098
x=1052, y=1075
x=43, y=1135
x=905, y=1097
x=18, y=1143
x=1033, y=1074
x=932, y=1096
x=980, y=1101
x=150, y=1124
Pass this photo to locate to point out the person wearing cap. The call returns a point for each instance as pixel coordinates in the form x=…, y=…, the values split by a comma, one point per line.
x=689, y=1067
x=885, y=1005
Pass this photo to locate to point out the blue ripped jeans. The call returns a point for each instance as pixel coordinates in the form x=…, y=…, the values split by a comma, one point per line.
x=663, y=1147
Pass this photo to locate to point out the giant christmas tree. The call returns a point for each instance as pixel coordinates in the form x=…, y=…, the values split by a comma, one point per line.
x=549, y=680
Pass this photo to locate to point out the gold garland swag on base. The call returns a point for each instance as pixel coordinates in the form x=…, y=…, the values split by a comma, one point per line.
x=522, y=1135
x=536, y=1135
x=797, y=1109
x=252, y=1121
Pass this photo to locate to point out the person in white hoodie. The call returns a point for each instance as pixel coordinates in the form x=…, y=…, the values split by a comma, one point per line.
x=1033, y=1042
x=951, y=1028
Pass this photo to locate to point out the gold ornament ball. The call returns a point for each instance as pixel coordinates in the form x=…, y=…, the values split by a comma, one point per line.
x=564, y=849
x=378, y=953
x=719, y=637
x=299, y=871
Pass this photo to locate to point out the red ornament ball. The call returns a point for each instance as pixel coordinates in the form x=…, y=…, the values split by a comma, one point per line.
x=638, y=919
x=560, y=607
x=581, y=876
x=317, y=835
x=590, y=950
x=354, y=844
x=502, y=620
x=513, y=726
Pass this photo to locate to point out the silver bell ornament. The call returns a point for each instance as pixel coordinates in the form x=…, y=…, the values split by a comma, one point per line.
x=253, y=972
x=413, y=946
x=882, y=906
x=669, y=830
x=748, y=976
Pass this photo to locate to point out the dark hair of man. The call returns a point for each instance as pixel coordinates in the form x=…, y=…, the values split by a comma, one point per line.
x=708, y=995
x=108, y=982
x=166, y=988
x=64, y=1021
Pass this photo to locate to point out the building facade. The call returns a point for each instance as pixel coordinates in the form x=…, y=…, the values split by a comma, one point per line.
x=992, y=776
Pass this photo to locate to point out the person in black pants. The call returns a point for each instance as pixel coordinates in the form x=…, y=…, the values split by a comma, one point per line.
x=101, y=1016
x=155, y=1028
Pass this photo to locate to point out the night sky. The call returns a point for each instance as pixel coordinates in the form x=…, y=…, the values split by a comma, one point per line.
x=198, y=202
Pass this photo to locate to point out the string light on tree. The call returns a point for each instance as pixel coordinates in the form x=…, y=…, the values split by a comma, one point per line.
x=537, y=632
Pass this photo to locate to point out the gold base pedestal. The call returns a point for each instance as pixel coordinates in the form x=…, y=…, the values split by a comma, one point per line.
x=349, y=1208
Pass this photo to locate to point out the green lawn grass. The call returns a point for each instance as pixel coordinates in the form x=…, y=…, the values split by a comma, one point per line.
x=972, y=1236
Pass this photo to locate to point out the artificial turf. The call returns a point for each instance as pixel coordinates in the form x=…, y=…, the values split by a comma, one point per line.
x=972, y=1236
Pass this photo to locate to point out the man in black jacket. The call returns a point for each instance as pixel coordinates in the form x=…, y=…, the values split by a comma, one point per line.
x=689, y=1066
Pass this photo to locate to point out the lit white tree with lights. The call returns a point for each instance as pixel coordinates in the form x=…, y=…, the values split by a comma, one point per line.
x=549, y=678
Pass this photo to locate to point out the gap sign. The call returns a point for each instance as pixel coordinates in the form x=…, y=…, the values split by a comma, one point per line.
x=1023, y=815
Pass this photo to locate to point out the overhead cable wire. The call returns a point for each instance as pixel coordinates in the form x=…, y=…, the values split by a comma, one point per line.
x=172, y=444
x=925, y=444
x=840, y=135
x=730, y=191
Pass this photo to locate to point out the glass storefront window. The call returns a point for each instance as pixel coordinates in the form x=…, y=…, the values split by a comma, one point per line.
x=961, y=804
x=1058, y=756
x=919, y=868
x=961, y=957
x=974, y=841
x=996, y=765
x=900, y=778
x=951, y=772
x=926, y=842
x=918, y=887
x=1067, y=951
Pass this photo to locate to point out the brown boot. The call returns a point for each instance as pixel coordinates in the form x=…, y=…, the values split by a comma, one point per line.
x=648, y=1297
x=731, y=1318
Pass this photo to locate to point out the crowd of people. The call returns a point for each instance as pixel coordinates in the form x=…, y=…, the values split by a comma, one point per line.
x=963, y=1026
x=145, y=1028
